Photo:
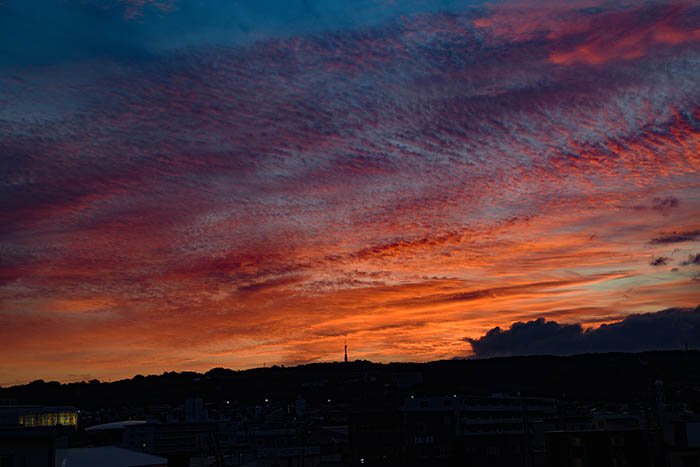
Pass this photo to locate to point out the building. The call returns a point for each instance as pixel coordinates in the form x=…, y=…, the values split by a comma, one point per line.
x=106, y=456
x=375, y=436
x=29, y=435
x=35, y=416
x=178, y=442
x=30, y=447
x=601, y=448
x=682, y=441
x=488, y=431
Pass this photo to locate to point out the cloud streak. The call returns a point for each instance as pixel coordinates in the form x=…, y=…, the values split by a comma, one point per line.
x=237, y=184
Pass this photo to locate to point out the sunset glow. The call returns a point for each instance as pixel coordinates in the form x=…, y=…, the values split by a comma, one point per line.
x=185, y=187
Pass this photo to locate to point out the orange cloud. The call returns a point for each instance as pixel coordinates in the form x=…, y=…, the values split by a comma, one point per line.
x=404, y=186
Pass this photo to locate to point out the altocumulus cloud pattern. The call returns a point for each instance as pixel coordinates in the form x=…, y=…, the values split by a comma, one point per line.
x=187, y=184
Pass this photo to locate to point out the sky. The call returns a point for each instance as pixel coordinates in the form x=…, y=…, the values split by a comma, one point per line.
x=187, y=184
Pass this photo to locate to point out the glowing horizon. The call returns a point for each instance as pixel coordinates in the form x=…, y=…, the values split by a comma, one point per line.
x=186, y=187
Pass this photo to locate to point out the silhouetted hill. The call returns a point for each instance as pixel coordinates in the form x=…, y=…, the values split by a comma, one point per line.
x=614, y=376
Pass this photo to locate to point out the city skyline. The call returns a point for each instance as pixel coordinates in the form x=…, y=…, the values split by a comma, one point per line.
x=186, y=186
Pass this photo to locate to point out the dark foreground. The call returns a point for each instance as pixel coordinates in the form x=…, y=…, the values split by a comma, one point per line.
x=587, y=410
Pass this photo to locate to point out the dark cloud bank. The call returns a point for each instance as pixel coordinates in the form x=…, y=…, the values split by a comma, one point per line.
x=676, y=237
x=673, y=328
